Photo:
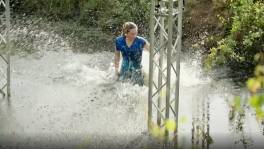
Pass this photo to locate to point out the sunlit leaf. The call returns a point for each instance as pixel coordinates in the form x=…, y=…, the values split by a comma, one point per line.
x=183, y=120
x=254, y=101
x=163, y=93
x=253, y=85
x=170, y=125
x=157, y=132
x=237, y=103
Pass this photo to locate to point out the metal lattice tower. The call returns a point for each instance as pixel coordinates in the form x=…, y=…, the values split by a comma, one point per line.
x=165, y=41
x=5, y=48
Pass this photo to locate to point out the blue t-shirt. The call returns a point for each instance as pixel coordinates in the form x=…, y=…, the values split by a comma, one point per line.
x=132, y=55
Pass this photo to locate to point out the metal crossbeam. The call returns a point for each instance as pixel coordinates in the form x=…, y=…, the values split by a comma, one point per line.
x=165, y=40
x=5, y=51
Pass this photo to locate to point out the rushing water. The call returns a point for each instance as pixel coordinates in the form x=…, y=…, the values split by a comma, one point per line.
x=72, y=99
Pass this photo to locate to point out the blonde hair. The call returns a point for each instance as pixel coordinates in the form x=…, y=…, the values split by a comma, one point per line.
x=127, y=26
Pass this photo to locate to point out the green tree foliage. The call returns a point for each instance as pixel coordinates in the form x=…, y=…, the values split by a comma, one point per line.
x=108, y=15
x=244, y=43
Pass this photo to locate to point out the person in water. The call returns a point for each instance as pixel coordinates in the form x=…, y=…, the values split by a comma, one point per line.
x=131, y=46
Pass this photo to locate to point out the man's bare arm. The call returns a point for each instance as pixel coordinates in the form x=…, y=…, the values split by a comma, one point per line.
x=117, y=60
x=147, y=46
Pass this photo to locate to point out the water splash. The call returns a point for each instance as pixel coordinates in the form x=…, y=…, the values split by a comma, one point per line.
x=73, y=96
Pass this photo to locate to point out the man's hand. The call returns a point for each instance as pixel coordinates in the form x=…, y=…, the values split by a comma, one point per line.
x=117, y=74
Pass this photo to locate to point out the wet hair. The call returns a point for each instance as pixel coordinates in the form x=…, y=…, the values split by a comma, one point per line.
x=127, y=26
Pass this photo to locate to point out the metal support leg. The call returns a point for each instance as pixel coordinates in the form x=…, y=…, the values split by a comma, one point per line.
x=165, y=40
x=4, y=40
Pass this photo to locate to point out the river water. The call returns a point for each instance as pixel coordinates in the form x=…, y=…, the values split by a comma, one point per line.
x=69, y=99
